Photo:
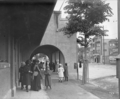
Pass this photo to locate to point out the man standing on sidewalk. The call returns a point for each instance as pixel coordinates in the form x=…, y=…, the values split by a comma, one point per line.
x=66, y=72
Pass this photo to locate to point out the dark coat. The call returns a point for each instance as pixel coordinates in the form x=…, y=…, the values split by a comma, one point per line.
x=21, y=71
x=28, y=74
x=66, y=71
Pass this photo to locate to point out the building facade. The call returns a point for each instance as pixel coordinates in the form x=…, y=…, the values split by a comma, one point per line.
x=67, y=52
x=113, y=50
x=21, y=28
x=103, y=50
x=31, y=31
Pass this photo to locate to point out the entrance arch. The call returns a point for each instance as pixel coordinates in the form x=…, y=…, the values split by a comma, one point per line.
x=55, y=55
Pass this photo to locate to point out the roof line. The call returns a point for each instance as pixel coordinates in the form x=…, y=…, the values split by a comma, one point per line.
x=62, y=5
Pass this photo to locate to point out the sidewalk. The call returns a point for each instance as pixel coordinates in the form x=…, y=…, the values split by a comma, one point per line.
x=22, y=94
x=68, y=90
x=65, y=90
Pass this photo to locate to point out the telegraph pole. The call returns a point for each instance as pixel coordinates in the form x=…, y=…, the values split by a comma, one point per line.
x=103, y=48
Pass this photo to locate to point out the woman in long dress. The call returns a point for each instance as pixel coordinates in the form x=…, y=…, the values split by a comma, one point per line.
x=61, y=72
x=36, y=84
x=47, y=76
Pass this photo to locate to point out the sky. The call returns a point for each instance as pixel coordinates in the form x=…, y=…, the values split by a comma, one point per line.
x=111, y=26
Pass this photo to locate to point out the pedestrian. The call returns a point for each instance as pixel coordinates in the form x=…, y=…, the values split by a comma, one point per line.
x=21, y=71
x=57, y=65
x=28, y=74
x=61, y=72
x=47, y=73
x=36, y=84
x=80, y=64
x=66, y=72
x=41, y=65
x=53, y=64
x=32, y=69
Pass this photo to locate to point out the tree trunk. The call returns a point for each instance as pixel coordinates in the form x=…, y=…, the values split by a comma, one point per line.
x=85, y=68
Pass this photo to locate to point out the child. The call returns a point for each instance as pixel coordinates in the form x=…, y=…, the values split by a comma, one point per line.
x=60, y=72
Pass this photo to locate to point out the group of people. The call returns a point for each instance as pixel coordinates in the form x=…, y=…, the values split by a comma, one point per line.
x=31, y=74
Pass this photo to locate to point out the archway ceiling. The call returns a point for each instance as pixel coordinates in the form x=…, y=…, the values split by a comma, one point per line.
x=26, y=20
x=45, y=49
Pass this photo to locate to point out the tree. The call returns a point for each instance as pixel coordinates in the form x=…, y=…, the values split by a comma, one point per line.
x=84, y=17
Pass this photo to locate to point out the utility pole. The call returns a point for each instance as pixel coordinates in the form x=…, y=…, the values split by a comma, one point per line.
x=104, y=45
x=103, y=48
x=77, y=69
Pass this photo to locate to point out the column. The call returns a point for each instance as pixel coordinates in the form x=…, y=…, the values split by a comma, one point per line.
x=12, y=66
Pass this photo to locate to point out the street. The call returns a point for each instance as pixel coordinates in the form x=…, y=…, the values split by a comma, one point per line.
x=103, y=77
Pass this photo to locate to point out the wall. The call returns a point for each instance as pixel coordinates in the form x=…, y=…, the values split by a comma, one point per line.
x=8, y=75
x=66, y=45
x=4, y=82
x=27, y=51
x=3, y=47
x=4, y=72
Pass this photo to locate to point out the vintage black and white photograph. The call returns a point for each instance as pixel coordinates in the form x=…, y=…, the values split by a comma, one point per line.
x=59, y=49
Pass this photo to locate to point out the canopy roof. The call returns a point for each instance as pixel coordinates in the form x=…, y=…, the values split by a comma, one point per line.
x=25, y=20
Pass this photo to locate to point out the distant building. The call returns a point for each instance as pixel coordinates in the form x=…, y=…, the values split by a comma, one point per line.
x=96, y=49
x=103, y=50
x=113, y=50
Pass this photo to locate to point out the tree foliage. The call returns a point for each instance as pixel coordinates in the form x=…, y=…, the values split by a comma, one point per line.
x=85, y=17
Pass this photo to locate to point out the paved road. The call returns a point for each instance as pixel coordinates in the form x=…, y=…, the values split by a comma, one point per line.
x=104, y=77
x=98, y=70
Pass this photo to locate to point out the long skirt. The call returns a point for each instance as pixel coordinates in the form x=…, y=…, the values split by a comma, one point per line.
x=47, y=80
x=36, y=83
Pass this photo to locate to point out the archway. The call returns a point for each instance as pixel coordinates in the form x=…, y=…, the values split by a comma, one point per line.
x=54, y=54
